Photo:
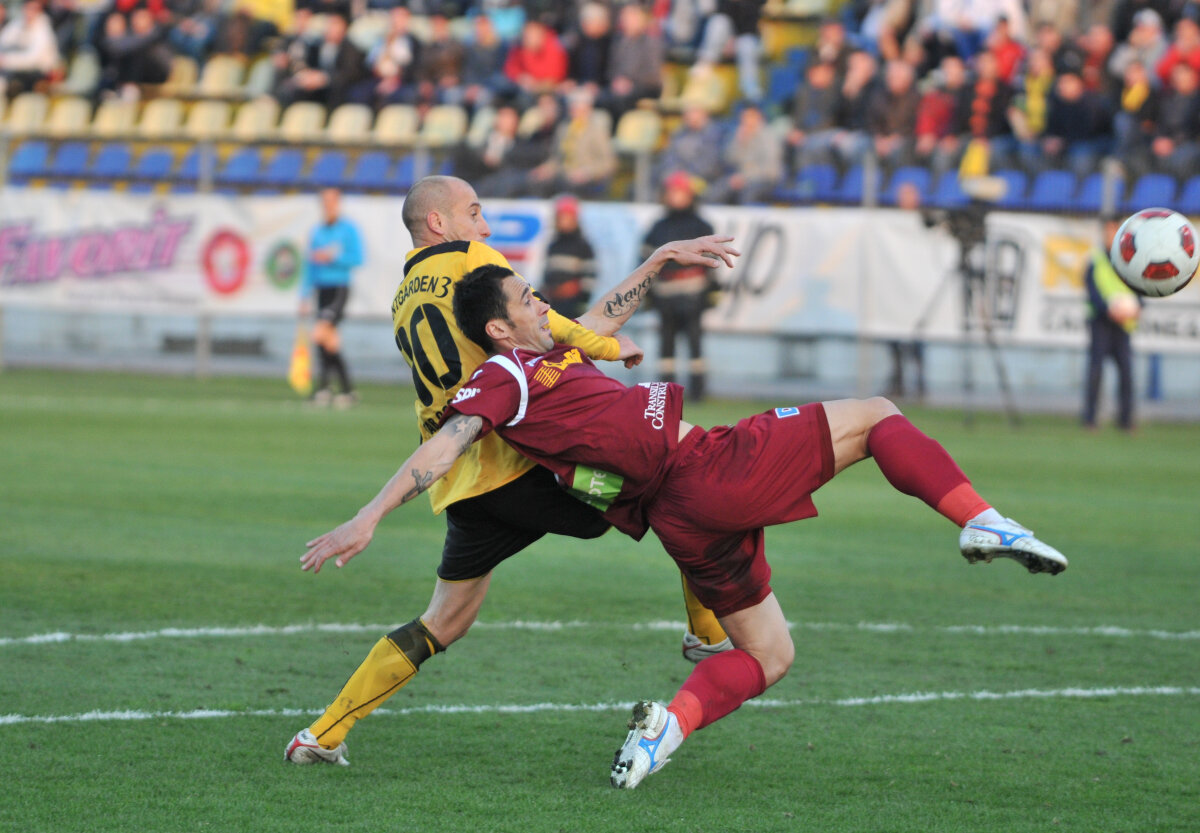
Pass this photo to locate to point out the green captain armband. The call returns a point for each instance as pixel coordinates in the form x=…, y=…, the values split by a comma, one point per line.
x=595, y=487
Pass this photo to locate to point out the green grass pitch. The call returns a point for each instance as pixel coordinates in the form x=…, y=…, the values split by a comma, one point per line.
x=153, y=506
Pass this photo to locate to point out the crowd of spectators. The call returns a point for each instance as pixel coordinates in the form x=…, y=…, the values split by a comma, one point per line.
x=1029, y=84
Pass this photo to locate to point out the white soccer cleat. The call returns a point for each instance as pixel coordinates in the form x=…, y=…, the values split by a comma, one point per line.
x=639, y=756
x=695, y=650
x=1008, y=539
x=304, y=749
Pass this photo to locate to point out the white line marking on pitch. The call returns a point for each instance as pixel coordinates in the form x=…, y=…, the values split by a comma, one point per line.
x=871, y=627
x=532, y=708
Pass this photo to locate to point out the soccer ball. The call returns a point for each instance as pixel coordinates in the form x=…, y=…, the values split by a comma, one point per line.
x=1155, y=251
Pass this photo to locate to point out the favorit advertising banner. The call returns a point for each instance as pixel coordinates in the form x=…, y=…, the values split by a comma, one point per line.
x=806, y=271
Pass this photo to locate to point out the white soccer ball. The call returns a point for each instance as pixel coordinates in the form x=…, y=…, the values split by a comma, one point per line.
x=1155, y=251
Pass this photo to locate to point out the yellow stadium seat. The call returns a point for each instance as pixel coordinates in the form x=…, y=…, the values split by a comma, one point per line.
x=396, y=124
x=349, y=124
x=207, y=120
x=255, y=120
x=83, y=75
x=444, y=126
x=69, y=116
x=161, y=118
x=303, y=121
x=259, y=78
x=221, y=77
x=182, y=78
x=114, y=117
x=481, y=123
x=27, y=114
x=638, y=131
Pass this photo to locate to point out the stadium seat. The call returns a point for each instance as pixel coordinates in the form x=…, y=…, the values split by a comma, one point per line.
x=1052, y=190
x=241, y=168
x=1188, y=201
x=638, y=131
x=181, y=80
x=909, y=175
x=481, y=123
x=255, y=120
x=221, y=77
x=370, y=171
x=1091, y=193
x=328, y=170
x=83, y=75
x=26, y=114
x=349, y=124
x=192, y=168
x=30, y=160
x=260, y=78
x=782, y=82
x=411, y=167
x=161, y=118
x=1150, y=191
x=1015, y=183
x=368, y=30
x=444, y=126
x=70, y=160
x=152, y=167
x=283, y=169
x=69, y=116
x=207, y=120
x=396, y=124
x=303, y=121
x=112, y=162
x=851, y=189
x=531, y=122
x=948, y=192
x=115, y=117
x=814, y=183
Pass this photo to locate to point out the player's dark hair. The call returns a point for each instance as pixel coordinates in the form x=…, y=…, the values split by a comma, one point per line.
x=478, y=299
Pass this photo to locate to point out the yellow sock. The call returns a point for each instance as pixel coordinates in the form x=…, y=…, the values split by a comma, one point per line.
x=701, y=621
x=390, y=664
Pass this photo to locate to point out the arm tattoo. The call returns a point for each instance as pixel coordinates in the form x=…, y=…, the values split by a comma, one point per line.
x=466, y=429
x=622, y=304
x=421, y=482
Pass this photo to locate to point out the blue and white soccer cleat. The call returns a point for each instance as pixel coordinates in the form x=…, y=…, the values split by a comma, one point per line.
x=304, y=749
x=1008, y=539
x=695, y=650
x=640, y=755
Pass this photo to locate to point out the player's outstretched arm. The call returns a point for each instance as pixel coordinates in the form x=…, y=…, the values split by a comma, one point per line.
x=610, y=312
x=424, y=467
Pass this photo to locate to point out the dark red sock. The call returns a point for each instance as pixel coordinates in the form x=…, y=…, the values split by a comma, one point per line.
x=716, y=687
x=917, y=465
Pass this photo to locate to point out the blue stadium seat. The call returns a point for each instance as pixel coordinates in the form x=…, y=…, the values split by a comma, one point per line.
x=1015, y=184
x=405, y=173
x=1052, y=190
x=240, y=169
x=370, y=171
x=328, y=169
x=782, y=82
x=796, y=59
x=30, y=160
x=948, y=192
x=1189, y=197
x=850, y=189
x=153, y=166
x=909, y=175
x=1091, y=193
x=814, y=183
x=283, y=169
x=111, y=162
x=189, y=167
x=70, y=160
x=1150, y=191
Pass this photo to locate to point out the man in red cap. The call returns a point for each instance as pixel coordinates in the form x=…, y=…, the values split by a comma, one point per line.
x=682, y=293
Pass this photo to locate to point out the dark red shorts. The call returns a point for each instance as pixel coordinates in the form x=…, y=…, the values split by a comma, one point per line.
x=725, y=485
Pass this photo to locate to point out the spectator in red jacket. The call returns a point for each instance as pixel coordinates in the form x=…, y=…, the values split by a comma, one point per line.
x=538, y=62
x=1184, y=48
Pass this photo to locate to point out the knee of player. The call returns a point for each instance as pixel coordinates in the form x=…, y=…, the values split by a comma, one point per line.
x=777, y=661
x=880, y=408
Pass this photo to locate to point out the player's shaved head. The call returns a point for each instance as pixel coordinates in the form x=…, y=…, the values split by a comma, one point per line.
x=439, y=208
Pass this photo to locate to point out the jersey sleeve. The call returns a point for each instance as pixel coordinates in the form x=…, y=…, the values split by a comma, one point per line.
x=566, y=331
x=491, y=393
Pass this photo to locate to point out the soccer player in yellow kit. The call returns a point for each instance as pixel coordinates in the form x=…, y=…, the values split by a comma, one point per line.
x=487, y=494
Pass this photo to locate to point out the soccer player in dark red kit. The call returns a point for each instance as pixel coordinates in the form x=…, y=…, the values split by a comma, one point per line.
x=706, y=494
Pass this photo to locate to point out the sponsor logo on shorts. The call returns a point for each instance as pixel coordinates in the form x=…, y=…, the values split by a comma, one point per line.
x=656, y=403
x=786, y=412
x=464, y=394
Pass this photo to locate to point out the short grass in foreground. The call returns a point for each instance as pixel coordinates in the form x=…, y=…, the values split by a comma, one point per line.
x=136, y=504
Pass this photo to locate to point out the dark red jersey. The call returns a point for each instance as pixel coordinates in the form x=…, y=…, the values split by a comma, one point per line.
x=609, y=443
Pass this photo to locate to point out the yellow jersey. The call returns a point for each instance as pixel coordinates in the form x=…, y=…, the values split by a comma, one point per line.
x=442, y=358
